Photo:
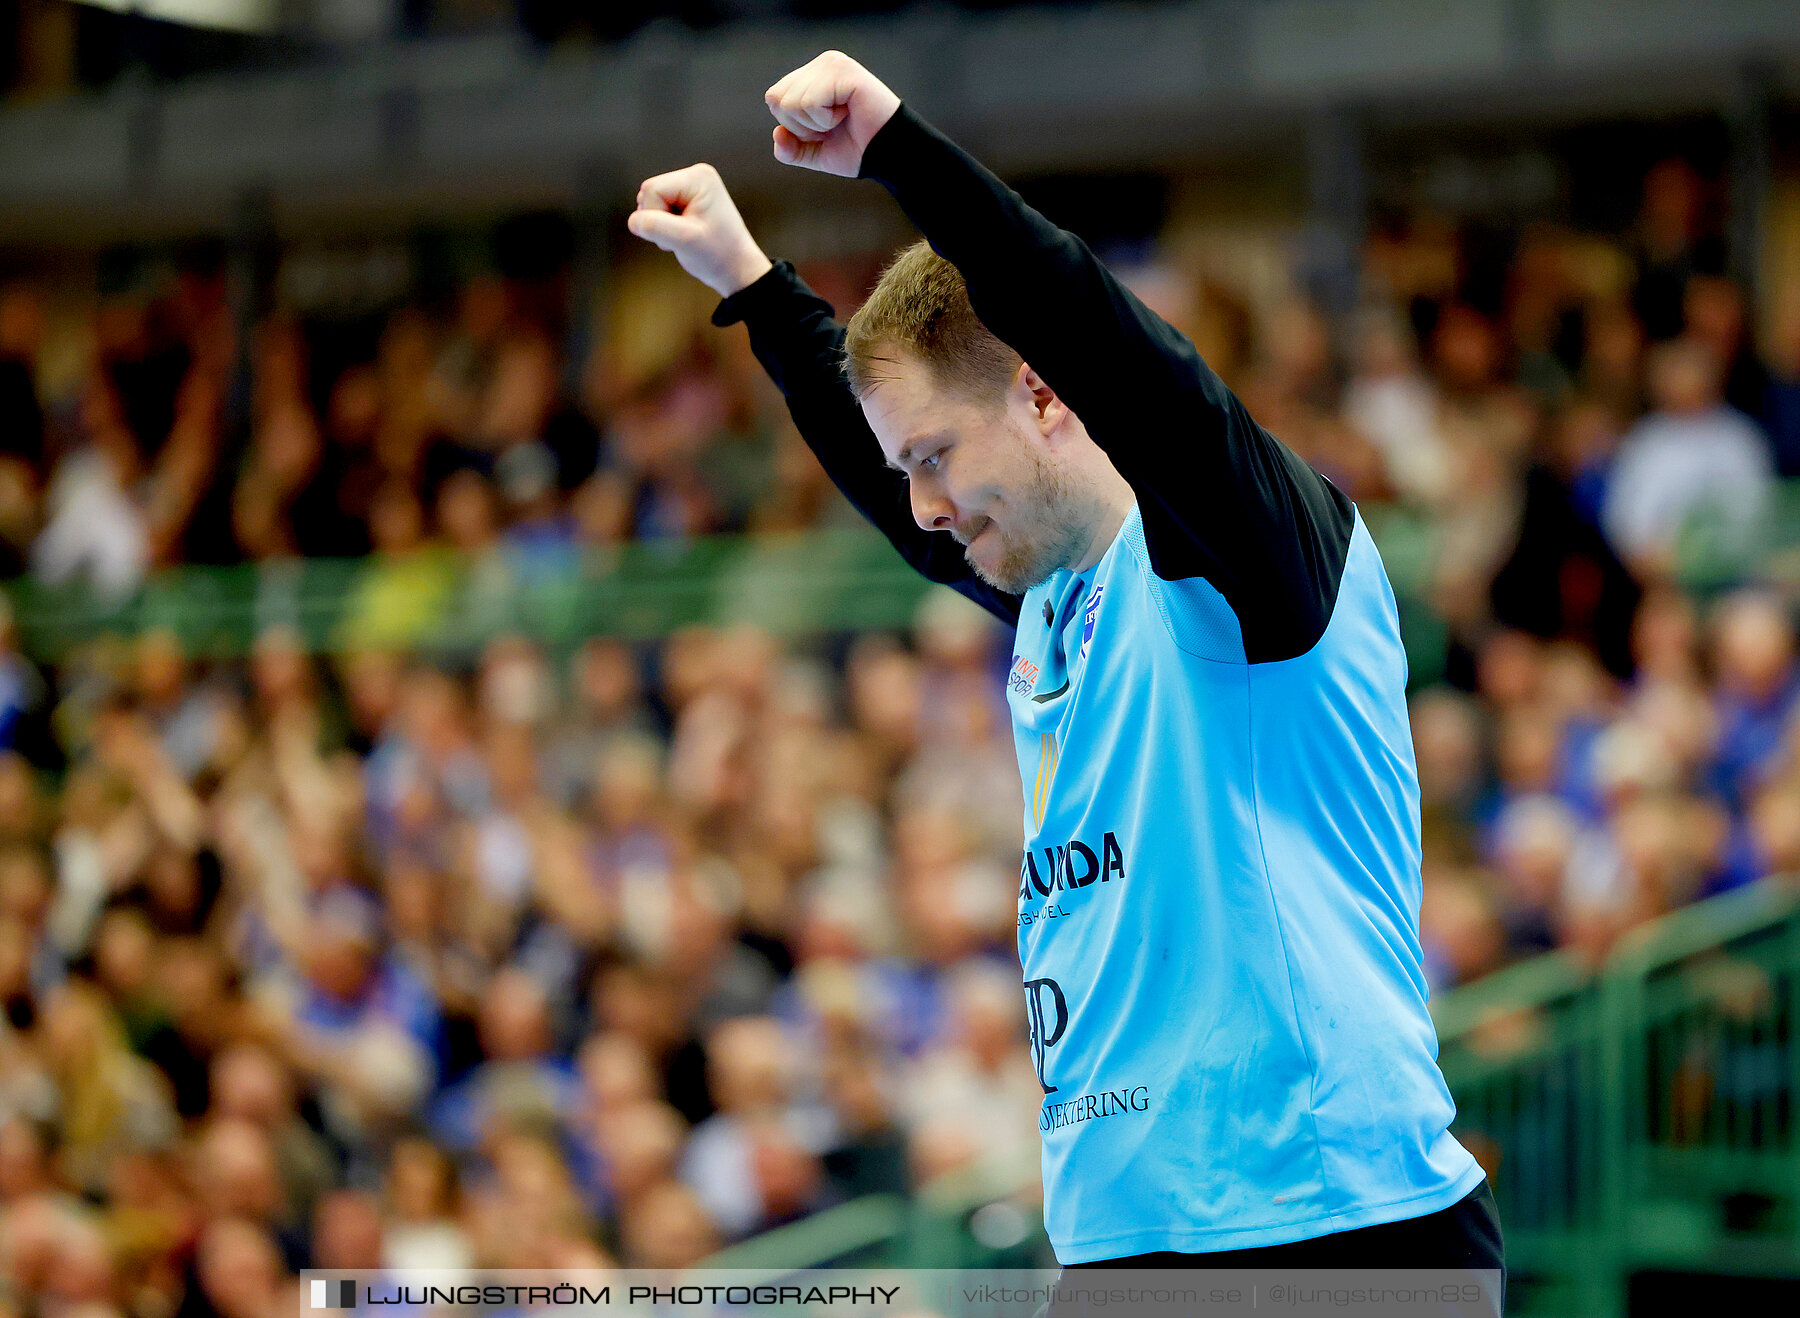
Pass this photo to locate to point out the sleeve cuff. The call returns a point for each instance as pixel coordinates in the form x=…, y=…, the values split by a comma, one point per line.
x=888, y=150
x=775, y=283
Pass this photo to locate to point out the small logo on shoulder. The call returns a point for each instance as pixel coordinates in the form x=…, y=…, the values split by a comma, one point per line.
x=1089, y=613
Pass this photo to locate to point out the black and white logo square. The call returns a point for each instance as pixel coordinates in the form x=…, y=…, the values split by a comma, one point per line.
x=333, y=1294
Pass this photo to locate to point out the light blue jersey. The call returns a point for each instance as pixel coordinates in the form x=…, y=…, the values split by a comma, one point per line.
x=1218, y=918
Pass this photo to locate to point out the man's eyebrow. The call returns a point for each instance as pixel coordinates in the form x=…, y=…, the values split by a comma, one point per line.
x=903, y=459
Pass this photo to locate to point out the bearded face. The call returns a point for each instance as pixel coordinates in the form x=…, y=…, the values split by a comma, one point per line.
x=1031, y=533
x=977, y=470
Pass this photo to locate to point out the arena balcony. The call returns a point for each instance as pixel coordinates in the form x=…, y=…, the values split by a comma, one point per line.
x=402, y=104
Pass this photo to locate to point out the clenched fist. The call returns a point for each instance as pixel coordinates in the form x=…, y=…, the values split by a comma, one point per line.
x=688, y=212
x=826, y=111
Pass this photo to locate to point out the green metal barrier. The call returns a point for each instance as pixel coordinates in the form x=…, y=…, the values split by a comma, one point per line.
x=434, y=601
x=829, y=580
x=1522, y=1052
x=1703, y=1155
x=1641, y=1117
x=439, y=603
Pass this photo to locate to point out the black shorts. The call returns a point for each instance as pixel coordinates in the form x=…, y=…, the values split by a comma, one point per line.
x=1464, y=1235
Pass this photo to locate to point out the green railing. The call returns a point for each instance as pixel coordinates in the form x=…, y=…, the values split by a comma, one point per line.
x=1705, y=1159
x=830, y=580
x=1638, y=1117
x=819, y=581
x=438, y=602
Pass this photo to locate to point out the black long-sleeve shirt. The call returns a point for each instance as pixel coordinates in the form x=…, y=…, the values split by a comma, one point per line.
x=1221, y=498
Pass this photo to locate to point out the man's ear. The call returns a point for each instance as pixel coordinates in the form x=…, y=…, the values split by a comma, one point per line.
x=1047, y=409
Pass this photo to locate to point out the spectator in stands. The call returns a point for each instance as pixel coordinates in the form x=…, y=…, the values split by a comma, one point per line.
x=238, y=1272
x=1713, y=313
x=521, y=1080
x=1753, y=655
x=605, y=704
x=362, y=1028
x=639, y=1146
x=23, y=694
x=1535, y=840
x=421, y=1227
x=979, y=1072
x=1690, y=456
x=540, y=537
x=1783, y=411
x=1393, y=405
x=483, y=597
x=236, y=1176
x=525, y=1212
x=186, y=716
x=107, y=1096
x=249, y=1083
x=1612, y=359
x=750, y=1071
x=866, y=1153
x=21, y=421
x=95, y=529
x=278, y=495
x=1459, y=931
x=670, y=1229
x=404, y=593
x=1670, y=243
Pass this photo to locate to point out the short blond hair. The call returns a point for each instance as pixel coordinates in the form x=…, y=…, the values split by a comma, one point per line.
x=920, y=310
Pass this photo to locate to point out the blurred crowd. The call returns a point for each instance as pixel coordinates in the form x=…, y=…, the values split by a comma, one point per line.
x=617, y=958
x=528, y=958
x=145, y=430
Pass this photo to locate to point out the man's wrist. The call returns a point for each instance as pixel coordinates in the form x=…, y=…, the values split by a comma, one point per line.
x=759, y=292
x=749, y=268
x=891, y=136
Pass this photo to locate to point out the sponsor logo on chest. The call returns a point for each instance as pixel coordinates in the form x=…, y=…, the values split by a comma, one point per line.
x=1069, y=867
x=1024, y=675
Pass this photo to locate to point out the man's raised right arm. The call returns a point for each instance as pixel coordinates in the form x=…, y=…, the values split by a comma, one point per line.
x=793, y=333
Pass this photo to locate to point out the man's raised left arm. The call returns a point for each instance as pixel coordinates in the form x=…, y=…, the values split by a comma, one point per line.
x=1221, y=498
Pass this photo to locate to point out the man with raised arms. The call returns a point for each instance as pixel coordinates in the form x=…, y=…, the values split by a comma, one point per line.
x=1219, y=893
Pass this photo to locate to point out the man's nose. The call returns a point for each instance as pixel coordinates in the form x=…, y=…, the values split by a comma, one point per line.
x=930, y=509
